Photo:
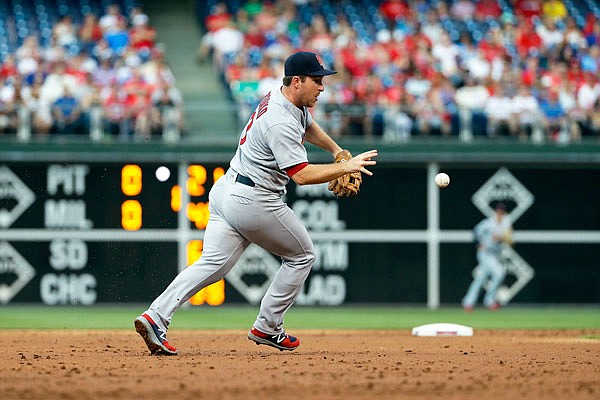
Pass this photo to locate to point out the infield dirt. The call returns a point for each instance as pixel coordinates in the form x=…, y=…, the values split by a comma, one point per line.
x=334, y=364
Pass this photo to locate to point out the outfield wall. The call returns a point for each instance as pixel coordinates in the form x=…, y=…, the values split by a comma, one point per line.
x=86, y=224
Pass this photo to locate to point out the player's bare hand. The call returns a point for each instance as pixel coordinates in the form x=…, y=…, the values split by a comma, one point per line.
x=359, y=162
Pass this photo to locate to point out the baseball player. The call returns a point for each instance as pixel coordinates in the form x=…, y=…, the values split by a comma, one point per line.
x=246, y=206
x=490, y=234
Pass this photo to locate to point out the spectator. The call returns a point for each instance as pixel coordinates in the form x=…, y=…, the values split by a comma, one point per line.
x=590, y=59
x=9, y=70
x=551, y=36
x=167, y=108
x=117, y=37
x=102, y=51
x=589, y=92
x=55, y=83
x=89, y=33
x=528, y=42
x=486, y=9
x=525, y=111
x=417, y=85
x=318, y=37
x=471, y=100
x=593, y=122
x=432, y=27
x=431, y=114
x=393, y=10
x=592, y=36
x=115, y=111
x=39, y=111
x=105, y=74
x=252, y=8
x=498, y=111
x=462, y=10
x=225, y=42
x=527, y=9
x=574, y=37
x=142, y=36
x=477, y=66
x=112, y=19
x=588, y=97
x=554, y=119
x=66, y=113
x=218, y=18
x=8, y=108
x=65, y=33
x=400, y=120
x=446, y=53
x=554, y=9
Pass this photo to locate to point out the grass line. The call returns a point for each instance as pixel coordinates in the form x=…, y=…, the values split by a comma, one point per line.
x=242, y=317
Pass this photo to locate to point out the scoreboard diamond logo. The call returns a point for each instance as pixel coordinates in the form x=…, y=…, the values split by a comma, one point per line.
x=503, y=186
x=12, y=263
x=15, y=197
x=253, y=273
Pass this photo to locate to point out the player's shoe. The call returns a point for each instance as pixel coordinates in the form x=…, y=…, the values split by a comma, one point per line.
x=493, y=306
x=281, y=341
x=155, y=338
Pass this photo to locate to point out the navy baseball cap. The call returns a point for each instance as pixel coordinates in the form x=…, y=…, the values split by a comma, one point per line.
x=306, y=63
x=500, y=206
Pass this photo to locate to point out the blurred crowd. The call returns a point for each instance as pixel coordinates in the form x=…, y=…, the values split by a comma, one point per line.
x=527, y=69
x=103, y=76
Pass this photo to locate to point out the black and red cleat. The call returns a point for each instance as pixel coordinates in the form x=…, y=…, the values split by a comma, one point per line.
x=281, y=341
x=155, y=338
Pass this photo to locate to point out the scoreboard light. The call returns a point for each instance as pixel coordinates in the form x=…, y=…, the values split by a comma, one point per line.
x=214, y=294
x=133, y=183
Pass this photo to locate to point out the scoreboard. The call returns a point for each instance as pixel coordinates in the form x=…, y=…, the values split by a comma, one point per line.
x=104, y=230
x=100, y=232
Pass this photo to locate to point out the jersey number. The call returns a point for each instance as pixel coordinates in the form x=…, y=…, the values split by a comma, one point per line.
x=250, y=122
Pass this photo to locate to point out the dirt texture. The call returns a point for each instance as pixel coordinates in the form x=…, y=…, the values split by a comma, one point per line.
x=328, y=365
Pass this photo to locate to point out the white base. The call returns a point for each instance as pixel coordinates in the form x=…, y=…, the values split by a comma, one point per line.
x=442, y=329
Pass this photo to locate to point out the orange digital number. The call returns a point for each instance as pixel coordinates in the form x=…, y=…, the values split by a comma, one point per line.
x=197, y=179
x=131, y=215
x=217, y=173
x=176, y=198
x=198, y=213
x=214, y=294
x=131, y=180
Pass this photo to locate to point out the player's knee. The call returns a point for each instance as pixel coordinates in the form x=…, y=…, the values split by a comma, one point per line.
x=310, y=258
x=305, y=260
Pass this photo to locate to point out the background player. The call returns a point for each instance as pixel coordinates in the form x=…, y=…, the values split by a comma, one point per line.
x=490, y=234
x=246, y=207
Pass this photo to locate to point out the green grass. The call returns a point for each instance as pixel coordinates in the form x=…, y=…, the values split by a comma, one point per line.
x=364, y=317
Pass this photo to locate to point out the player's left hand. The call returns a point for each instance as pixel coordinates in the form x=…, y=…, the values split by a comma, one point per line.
x=349, y=184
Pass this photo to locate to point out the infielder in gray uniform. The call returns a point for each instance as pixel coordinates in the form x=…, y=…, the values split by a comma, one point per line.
x=246, y=207
x=491, y=234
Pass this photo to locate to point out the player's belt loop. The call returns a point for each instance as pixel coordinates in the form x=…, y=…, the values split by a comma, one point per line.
x=244, y=180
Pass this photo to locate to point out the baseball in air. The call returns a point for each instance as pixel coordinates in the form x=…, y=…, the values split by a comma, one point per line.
x=162, y=173
x=442, y=180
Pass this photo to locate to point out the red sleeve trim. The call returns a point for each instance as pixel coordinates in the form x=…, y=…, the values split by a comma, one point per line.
x=293, y=170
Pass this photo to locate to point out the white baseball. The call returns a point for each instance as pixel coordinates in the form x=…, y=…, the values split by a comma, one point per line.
x=442, y=180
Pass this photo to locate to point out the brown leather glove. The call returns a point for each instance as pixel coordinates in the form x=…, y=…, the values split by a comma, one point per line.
x=348, y=184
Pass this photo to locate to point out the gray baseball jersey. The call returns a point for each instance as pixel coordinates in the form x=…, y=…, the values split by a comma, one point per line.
x=244, y=212
x=485, y=231
x=272, y=141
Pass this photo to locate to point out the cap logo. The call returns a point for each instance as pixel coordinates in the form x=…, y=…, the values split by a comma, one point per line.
x=319, y=60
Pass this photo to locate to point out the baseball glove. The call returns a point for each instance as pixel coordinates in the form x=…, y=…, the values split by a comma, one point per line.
x=348, y=184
